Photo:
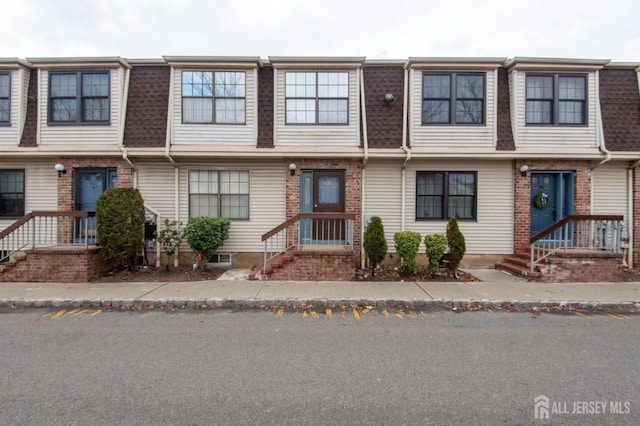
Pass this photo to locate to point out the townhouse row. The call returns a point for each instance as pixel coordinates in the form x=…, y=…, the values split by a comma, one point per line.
x=259, y=140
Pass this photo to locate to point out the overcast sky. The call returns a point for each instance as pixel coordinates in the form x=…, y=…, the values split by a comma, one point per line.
x=377, y=29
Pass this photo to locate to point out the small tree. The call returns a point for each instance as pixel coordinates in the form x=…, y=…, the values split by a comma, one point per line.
x=457, y=245
x=170, y=238
x=407, y=246
x=436, y=246
x=120, y=224
x=205, y=234
x=374, y=244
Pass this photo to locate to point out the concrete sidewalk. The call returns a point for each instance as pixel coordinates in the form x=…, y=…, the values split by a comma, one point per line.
x=496, y=291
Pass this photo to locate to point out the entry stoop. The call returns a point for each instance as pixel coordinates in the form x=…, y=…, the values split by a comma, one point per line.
x=519, y=265
x=309, y=263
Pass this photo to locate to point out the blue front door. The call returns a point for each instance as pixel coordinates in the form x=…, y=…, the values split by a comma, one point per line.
x=551, y=198
x=90, y=184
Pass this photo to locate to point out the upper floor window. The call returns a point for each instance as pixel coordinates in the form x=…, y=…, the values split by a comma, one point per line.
x=442, y=195
x=556, y=99
x=79, y=97
x=11, y=192
x=219, y=193
x=317, y=97
x=5, y=99
x=213, y=97
x=453, y=98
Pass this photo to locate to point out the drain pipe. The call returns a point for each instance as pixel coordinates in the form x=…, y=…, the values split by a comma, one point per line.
x=176, y=171
x=123, y=121
x=630, y=219
x=407, y=150
x=602, y=147
x=363, y=188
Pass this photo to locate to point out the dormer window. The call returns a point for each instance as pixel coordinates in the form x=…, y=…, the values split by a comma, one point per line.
x=318, y=98
x=213, y=97
x=556, y=99
x=79, y=97
x=5, y=100
x=453, y=98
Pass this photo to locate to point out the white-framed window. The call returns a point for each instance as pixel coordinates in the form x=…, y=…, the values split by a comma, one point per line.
x=220, y=259
x=214, y=97
x=317, y=98
x=219, y=193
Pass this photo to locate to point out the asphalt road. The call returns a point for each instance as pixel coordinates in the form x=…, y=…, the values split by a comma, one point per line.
x=393, y=367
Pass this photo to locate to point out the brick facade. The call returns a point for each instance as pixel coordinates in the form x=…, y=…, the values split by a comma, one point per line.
x=317, y=266
x=522, y=193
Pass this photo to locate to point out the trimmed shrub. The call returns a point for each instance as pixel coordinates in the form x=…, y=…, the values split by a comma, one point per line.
x=170, y=238
x=457, y=245
x=205, y=234
x=120, y=224
x=407, y=247
x=374, y=244
x=436, y=247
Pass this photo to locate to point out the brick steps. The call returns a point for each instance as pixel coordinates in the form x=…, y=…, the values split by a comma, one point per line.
x=305, y=265
x=518, y=267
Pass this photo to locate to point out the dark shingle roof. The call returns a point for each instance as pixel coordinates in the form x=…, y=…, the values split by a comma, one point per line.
x=384, y=119
x=505, y=135
x=620, y=105
x=265, y=108
x=31, y=120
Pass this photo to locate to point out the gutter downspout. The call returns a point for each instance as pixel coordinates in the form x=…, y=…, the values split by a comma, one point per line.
x=363, y=189
x=602, y=147
x=123, y=121
x=407, y=150
x=176, y=171
x=630, y=218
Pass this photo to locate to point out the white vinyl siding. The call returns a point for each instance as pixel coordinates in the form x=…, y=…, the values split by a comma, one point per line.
x=222, y=134
x=98, y=134
x=610, y=191
x=547, y=137
x=19, y=83
x=311, y=134
x=266, y=198
x=491, y=233
x=448, y=134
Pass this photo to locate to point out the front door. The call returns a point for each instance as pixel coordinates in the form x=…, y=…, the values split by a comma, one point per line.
x=89, y=185
x=322, y=191
x=551, y=198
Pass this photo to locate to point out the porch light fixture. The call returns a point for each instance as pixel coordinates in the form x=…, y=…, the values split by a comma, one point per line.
x=292, y=169
x=523, y=170
x=388, y=97
x=60, y=169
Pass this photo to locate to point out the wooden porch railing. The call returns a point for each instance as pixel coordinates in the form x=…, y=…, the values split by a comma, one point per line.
x=308, y=229
x=46, y=229
x=578, y=232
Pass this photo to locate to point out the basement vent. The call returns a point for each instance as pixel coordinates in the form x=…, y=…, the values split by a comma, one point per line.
x=220, y=259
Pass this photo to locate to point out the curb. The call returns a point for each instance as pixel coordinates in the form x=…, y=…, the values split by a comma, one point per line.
x=267, y=304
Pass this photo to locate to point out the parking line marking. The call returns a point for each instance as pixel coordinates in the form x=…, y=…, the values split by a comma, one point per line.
x=328, y=312
x=412, y=314
x=580, y=314
x=365, y=311
x=71, y=313
x=280, y=312
x=356, y=315
x=618, y=317
x=98, y=312
x=314, y=314
x=47, y=315
x=385, y=313
x=84, y=311
x=59, y=314
x=399, y=315
x=305, y=314
x=423, y=313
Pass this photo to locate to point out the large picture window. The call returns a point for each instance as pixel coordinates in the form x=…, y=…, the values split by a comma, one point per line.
x=556, y=99
x=5, y=97
x=219, y=193
x=11, y=192
x=442, y=195
x=79, y=97
x=213, y=97
x=317, y=97
x=453, y=98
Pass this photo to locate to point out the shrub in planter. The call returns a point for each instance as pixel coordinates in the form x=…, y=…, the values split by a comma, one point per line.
x=120, y=224
x=205, y=235
x=436, y=246
x=457, y=245
x=407, y=246
x=374, y=244
x=170, y=238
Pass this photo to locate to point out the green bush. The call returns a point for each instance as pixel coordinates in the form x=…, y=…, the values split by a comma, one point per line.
x=205, y=234
x=120, y=224
x=407, y=247
x=374, y=244
x=457, y=245
x=170, y=237
x=436, y=246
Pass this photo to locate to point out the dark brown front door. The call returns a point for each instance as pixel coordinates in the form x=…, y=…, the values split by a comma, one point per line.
x=328, y=197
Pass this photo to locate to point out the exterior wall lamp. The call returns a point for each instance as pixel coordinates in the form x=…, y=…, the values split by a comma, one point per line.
x=388, y=97
x=523, y=170
x=60, y=169
x=292, y=169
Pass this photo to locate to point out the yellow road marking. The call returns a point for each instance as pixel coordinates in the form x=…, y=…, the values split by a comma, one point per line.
x=328, y=312
x=47, y=315
x=618, y=317
x=423, y=313
x=399, y=315
x=84, y=311
x=580, y=314
x=365, y=311
x=412, y=314
x=280, y=312
x=356, y=315
x=314, y=314
x=385, y=313
x=71, y=313
x=305, y=314
x=59, y=314
x=98, y=312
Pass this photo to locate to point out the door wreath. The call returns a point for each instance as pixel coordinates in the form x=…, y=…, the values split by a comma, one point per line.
x=542, y=200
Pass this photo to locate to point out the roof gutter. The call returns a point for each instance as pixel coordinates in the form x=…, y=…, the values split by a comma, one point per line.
x=365, y=138
x=167, y=145
x=407, y=150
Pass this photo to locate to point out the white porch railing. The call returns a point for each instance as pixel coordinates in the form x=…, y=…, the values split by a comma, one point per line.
x=578, y=232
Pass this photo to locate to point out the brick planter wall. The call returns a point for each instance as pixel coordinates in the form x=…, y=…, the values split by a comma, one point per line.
x=58, y=265
x=582, y=269
x=316, y=266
